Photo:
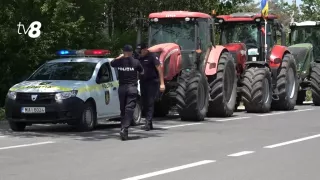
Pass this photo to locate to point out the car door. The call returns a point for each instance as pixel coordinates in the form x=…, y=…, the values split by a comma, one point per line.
x=108, y=102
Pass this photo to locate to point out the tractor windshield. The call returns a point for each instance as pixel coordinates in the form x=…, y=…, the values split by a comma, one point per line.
x=307, y=34
x=240, y=32
x=176, y=31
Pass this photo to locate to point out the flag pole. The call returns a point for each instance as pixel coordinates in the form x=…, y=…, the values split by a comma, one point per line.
x=265, y=39
x=264, y=13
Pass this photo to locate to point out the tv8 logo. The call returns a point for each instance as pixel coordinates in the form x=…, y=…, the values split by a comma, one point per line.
x=33, y=29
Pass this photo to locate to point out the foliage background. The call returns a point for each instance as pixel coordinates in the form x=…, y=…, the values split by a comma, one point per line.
x=78, y=24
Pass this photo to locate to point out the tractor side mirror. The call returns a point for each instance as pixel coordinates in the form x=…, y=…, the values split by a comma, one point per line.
x=290, y=38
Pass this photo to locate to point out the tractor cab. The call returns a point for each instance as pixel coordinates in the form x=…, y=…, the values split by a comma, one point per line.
x=304, y=40
x=305, y=37
x=243, y=34
x=184, y=32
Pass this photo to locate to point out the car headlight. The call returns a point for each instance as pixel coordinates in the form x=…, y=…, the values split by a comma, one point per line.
x=66, y=95
x=12, y=95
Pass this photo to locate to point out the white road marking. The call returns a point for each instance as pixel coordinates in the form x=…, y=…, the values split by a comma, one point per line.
x=3, y=136
x=157, y=173
x=241, y=153
x=43, y=125
x=300, y=110
x=293, y=141
x=231, y=119
x=26, y=145
x=181, y=125
x=270, y=114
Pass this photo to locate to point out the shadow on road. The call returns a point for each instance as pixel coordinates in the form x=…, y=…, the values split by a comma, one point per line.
x=102, y=132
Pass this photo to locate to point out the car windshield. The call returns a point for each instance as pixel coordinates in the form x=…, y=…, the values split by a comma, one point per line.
x=240, y=32
x=78, y=71
x=176, y=31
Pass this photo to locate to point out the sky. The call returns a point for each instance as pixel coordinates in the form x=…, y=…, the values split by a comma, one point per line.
x=298, y=2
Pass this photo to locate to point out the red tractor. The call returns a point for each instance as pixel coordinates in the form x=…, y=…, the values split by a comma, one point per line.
x=200, y=76
x=268, y=79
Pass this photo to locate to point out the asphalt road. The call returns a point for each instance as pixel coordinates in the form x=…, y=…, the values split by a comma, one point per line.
x=273, y=146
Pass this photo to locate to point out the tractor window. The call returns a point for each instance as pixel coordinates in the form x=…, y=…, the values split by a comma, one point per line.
x=240, y=32
x=204, y=33
x=176, y=31
x=307, y=34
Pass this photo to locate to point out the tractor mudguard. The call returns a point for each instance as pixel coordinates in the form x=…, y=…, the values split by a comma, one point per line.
x=170, y=59
x=239, y=53
x=276, y=55
x=213, y=59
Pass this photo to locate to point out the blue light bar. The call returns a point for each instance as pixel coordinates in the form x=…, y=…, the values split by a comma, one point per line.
x=66, y=53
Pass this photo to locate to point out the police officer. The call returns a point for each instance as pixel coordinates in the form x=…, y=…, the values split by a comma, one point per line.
x=150, y=83
x=128, y=69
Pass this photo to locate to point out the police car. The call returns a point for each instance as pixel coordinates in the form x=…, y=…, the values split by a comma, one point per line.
x=78, y=89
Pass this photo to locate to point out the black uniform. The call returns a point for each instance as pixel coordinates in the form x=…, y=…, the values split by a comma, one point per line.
x=128, y=91
x=149, y=85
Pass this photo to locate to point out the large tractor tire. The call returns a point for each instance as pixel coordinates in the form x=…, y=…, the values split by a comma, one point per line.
x=196, y=98
x=223, y=88
x=315, y=84
x=181, y=89
x=257, y=90
x=301, y=97
x=287, y=84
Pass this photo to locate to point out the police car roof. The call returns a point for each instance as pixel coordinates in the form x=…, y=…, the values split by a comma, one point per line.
x=80, y=59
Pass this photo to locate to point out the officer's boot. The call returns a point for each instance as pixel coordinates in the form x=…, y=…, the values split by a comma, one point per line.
x=147, y=126
x=124, y=134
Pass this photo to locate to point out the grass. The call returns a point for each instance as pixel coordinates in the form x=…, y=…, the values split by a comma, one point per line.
x=308, y=96
x=1, y=114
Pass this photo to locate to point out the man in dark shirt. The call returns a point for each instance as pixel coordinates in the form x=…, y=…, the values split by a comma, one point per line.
x=128, y=69
x=150, y=83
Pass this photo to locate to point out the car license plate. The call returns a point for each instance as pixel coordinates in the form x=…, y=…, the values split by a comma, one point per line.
x=33, y=110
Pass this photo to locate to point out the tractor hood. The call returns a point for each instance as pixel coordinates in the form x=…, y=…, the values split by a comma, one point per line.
x=301, y=53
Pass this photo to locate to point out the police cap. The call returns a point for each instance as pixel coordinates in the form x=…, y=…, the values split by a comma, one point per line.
x=142, y=46
x=127, y=48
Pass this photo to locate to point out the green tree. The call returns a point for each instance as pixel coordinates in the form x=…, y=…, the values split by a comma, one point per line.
x=310, y=10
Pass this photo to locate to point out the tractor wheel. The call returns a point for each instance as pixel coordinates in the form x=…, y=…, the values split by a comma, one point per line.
x=223, y=88
x=257, y=90
x=287, y=84
x=196, y=98
x=315, y=84
x=301, y=97
x=181, y=89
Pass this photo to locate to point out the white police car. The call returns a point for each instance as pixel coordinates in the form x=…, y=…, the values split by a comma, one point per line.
x=78, y=89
